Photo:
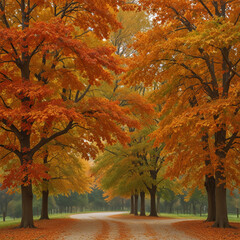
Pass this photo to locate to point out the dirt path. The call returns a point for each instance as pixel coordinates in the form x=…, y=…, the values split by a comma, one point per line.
x=101, y=226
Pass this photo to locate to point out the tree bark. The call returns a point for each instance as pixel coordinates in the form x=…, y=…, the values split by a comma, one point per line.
x=27, y=204
x=45, y=192
x=220, y=188
x=221, y=204
x=153, y=210
x=132, y=204
x=142, y=210
x=158, y=204
x=136, y=205
x=44, y=212
x=4, y=208
x=210, y=188
x=209, y=184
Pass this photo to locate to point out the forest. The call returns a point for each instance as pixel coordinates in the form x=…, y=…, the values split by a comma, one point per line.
x=120, y=105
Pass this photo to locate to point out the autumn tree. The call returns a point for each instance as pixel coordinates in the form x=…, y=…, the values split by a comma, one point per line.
x=68, y=171
x=49, y=48
x=122, y=171
x=149, y=164
x=192, y=52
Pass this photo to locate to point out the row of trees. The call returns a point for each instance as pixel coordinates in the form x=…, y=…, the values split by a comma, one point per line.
x=54, y=67
x=188, y=62
x=166, y=202
x=10, y=205
x=192, y=54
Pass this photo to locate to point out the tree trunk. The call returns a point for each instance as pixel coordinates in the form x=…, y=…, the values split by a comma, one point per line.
x=27, y=204
x=194, y=209
x=237, y=212
x=221, y=204
x=45, y=192
x=142, y=211
x=158, y=204
x=200, y=210
x=44, y=212
x=209, y=183
x=210, y=188
x=220, y=185
x=5, y=209
x=136, y=205
x=171, y=206
x=132, y=204
x=152, y=191
x=184, y=209
x=4, y=216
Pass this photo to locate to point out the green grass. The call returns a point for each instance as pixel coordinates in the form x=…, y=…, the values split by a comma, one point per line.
x=190, y=216
x=231, y=217
x=10, y=222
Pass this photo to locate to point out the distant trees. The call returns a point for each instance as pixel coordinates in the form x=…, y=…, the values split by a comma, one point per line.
x=71, y=202
x=130, y=171
x=68, y=171
x=5, y=198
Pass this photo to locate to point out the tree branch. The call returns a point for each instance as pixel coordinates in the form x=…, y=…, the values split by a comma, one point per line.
x=230, y=142
x=36, y=49
x=4, y=103
x=208, y=10
x=11, y=150
x=13, y=128
x=83, y=95
x=44, y=141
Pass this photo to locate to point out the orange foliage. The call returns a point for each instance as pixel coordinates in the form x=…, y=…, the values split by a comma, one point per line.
x=15, y=176
x=46, y=230
x=51, y=53
x=57, y=48
x=192, y=54
x=203, y=230
x=150, y=232
x=104, y=234
x=123, y=231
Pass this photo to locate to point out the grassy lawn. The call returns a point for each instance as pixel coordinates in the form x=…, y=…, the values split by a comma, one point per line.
x=189, y=216
x=9, y=222
x=231, y=217
x=15, y=222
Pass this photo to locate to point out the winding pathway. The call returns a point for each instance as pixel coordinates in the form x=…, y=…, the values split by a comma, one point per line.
x=104, y=226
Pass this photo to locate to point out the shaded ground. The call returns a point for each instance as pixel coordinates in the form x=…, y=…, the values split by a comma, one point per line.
x=105, y=226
